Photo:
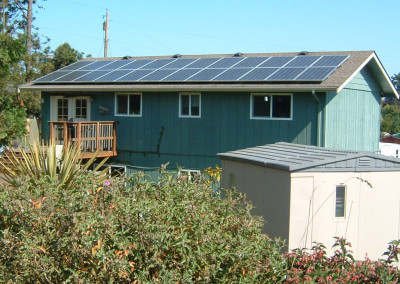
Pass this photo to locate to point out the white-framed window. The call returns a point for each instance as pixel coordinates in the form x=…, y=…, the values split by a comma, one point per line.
x=128, y=104
x=189, y=105
x=271, y=106
x=81, y=108
x=189, y=174
x=62, y=109
x=340, y=201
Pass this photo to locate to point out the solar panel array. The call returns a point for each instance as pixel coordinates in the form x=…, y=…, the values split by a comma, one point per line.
x=207, y=69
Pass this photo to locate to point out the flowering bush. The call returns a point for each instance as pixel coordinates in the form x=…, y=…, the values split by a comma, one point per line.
x=317, y=267
x=175, y=230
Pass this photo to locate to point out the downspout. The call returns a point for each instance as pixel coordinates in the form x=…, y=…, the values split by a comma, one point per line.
x=318, y=118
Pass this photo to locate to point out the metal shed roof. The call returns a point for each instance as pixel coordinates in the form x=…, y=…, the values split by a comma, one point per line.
x=295, y=158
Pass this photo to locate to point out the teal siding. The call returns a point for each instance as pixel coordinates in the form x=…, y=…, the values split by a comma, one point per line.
x=160, y=136
x=224, y=125
x=353, y=115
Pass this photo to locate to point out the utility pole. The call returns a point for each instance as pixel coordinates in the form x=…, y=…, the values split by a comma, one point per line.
x=4, y=17
x=105, y=29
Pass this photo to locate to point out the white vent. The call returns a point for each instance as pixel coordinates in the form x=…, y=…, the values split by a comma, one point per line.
x=364, y=162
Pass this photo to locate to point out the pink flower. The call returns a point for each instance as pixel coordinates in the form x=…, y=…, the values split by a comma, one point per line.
x=107, y=183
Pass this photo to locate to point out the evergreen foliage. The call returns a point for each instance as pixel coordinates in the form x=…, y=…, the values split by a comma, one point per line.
x=12, y=120
x=390, y=122
x=65, y=55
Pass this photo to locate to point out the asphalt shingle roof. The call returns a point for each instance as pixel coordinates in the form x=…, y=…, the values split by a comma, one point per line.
x=356, y=61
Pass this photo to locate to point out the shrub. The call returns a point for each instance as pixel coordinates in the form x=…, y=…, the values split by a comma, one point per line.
x=37, y=162
x=12, y=120
x=174, y=230
x=317, y=267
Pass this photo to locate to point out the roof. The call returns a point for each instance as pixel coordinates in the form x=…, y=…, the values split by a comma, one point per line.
x=390, y=139
x=294, y=158
x=335, y=81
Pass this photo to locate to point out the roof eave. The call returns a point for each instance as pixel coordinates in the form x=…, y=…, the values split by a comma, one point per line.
x=172, y=88
x=386, y=85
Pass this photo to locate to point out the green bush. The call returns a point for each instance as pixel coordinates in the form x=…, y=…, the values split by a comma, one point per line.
x=12, y=120
x=317, y=267
x=174, y=230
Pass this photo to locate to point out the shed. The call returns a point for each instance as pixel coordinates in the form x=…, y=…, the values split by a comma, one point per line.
x=311, y=194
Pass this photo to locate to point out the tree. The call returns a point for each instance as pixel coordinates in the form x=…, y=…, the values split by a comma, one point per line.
x=390, y=121
x=11, y=51
x=12, y=115
x=396, y=81
x=65, y=55
x=12, y=120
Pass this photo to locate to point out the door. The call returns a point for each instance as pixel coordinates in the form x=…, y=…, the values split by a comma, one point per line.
x=74, y=109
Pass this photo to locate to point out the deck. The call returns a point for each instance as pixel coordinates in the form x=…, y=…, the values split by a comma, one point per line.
x=90, y=135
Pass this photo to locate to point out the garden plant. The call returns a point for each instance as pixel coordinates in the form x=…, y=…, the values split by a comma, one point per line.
x=176, y=229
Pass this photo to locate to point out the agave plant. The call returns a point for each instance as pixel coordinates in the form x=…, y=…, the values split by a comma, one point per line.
x=38, y=161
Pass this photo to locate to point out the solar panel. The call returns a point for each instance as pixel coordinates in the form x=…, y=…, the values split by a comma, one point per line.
x=181, y=75
x=91, y=76
x=52, y=76
x=251, y=62
x=115, y=65
x=205, y=75
x=158, y=75
x=202, y=63
x=157, y=63
x=112, y=76
x=205, y=69
x=232, y=74
x=302, y=61
x=95, y=65
x=331, y=60
x=286, y=74
x=226, y=62
x=258, y=74
x=134, y=75
x=180, y=63
x=71, y=76
x=137, y=64
x=316, y=73
x=77, y=65
x=276, y=61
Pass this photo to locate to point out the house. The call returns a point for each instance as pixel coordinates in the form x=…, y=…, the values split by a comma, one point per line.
x=389, y=145
x=311, y=194
x=148, y=111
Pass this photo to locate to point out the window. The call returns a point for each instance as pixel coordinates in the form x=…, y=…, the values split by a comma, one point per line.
x=128, y=104
x=81, y=108
x=62, y=109
x=189, y=105
x=271, y=106
x=340, y=203
x=189, y=174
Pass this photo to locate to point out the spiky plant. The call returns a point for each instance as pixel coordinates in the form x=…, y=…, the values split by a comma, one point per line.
x=38, y=161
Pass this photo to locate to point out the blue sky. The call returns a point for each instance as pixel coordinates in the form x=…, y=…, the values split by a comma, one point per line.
x=155, y=27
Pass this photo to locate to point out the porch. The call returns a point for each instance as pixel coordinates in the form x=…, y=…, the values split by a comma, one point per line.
x=90, y=135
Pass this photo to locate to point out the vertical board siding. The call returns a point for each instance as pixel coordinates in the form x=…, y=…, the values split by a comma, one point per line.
x=353, y=115
x=193, y=143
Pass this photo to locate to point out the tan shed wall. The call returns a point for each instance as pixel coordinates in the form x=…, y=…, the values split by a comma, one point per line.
x=372, y=214
x=267, y=189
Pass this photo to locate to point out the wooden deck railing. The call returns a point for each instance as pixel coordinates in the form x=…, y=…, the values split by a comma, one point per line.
x=90, y=135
